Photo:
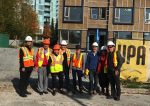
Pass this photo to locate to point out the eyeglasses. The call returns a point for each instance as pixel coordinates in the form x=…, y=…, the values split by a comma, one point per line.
x=110, y=46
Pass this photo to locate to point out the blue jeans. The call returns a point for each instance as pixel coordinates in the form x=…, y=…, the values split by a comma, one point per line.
x=93, y=77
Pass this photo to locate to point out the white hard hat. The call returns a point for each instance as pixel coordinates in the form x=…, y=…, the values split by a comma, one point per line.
x=110, y=43
x=103, y=48
x=63, y=42
x=29, y=39
x=95, y=44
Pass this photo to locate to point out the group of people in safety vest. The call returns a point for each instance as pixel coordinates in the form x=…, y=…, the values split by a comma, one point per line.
x=101, y=67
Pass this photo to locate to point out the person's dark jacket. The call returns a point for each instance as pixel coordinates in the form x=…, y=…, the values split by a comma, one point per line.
x=92, y=61
x=120, y=61
x=65, y=62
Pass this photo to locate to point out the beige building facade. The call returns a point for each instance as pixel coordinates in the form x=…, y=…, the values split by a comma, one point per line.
x=85, y=21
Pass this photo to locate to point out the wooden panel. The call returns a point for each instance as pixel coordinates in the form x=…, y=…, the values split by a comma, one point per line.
x=124, y=3
x=145, y=3
x=73, y=2
x=98, y=3
x=84, y=36
x=148, y=3
x=110, y=34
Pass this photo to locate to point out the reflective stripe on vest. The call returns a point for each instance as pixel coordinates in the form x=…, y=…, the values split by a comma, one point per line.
x=68, y=56
x=77, y=63
x=115, y=59
x=28, y=57
x=105, y=69
x=115, y=62
x=41, y=56
x=56, y=65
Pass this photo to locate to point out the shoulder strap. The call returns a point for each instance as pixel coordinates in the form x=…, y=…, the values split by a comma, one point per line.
x=24, y=49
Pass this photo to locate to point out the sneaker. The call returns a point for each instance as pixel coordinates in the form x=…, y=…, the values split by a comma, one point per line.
x=100, y=93
x=41, y=93
x=94, y=92
x=45, y=92
x=61, y=91
x=27, y=92
x=108, y=97
x=22, y=95
x=115, y=98
x=118, y=99
x=53, y=92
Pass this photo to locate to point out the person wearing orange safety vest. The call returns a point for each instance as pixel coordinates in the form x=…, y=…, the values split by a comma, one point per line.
x=114, y=64
x=66, y=53
x=56, y=61
x=41, y=64
x=26, y=60
x=77, y=68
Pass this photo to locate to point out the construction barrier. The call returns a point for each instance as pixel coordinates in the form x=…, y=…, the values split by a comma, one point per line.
x=137, y=59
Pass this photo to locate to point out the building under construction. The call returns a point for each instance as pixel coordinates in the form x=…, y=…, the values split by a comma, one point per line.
x=85, y=21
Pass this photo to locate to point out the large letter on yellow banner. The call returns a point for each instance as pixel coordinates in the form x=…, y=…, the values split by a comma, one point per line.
x=137, y=59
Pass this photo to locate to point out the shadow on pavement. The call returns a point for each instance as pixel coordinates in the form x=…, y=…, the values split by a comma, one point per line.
x=15, y=83
x=76, y=97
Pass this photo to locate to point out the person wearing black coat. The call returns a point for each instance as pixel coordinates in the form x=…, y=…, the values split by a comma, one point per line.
x=114, y=64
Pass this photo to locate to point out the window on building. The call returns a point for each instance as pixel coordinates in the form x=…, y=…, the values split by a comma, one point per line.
x=64, y=35
x=94, y=13
x=39, y=1
x=73, y=14
x=123, y=35
x=41, y=12
x=147, y=35
x=41, y=7
x=71, y=36
x=123, y=16
x=98, y=13
x=103, y=13
x=47, y=1
x=147, y=15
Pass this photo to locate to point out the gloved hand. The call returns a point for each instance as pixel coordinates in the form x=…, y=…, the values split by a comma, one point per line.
x=116, y=72
x=86, y=72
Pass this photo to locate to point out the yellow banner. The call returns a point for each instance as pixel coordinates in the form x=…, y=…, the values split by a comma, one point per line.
x=137, y=59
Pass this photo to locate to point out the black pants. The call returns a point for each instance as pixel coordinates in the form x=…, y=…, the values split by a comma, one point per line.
x=24, y=79
x=93, y=77
x=79, y=74
x=115, y=83
x=54, y=81
x=104, y=82
x=67, y=79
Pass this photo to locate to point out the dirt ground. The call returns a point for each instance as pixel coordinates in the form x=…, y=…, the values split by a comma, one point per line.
x=130, y=97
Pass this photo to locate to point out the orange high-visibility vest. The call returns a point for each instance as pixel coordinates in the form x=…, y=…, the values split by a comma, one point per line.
x=41, y=55
x=28, y=57
x=68, y=55
x=77, y=63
